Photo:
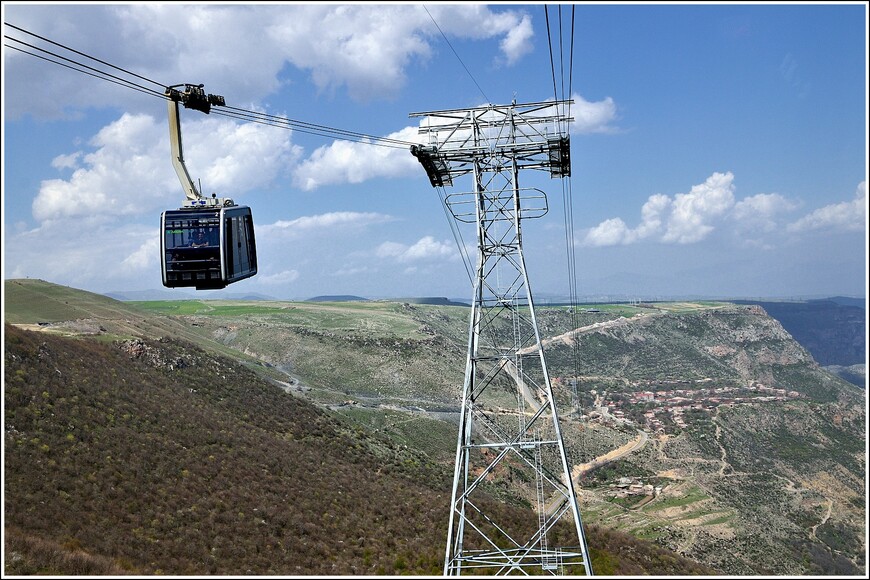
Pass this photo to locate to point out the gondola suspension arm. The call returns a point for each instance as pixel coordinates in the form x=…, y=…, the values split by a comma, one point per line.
x=193, y=97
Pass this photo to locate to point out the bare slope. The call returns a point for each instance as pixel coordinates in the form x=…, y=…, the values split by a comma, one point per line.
x=154, y=457
x=753, y=453
x=758, y=452
x=741, y=386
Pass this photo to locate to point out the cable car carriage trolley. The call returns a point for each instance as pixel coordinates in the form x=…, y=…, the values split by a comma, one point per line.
x=207, y=243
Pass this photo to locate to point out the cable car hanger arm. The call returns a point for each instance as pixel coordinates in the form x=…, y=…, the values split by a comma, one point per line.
x=192, y=98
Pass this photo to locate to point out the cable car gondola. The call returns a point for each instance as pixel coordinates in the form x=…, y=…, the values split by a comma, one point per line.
x=207, y=243
x=207, y=247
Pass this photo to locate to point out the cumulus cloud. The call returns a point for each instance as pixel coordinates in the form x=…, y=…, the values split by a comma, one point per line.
x=81, y=257
x=126, y=169
x=610, y=232
x=593, y=117
x=350, y=162
x=365, y=49
x=762, y=212
x=66, y=161
x=143, y=257
x=692, y=213
x=843, y=216
x=112, y=178
x=426, y=248
x=686, y=218
x=518, y=40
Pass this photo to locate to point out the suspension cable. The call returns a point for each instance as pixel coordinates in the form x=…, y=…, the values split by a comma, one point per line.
x=456, y=54
x=110, y=78
x=568, y=196
x=231, y=112
x=81, y=54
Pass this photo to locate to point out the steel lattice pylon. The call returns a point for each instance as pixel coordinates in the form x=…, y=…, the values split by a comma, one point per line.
x=510, y=443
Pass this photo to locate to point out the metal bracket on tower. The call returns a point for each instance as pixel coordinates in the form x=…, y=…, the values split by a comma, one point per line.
x=436, y=166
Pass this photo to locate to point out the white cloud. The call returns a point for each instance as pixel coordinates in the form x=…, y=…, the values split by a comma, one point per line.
x=128, y=169
x=689, y=218
x=66, y=161
x=685, y=219
x=426, y=248
x=761, y=212
x=283, y=277
x=364, y=48
x=348, y=162
x=113, y=179
x=145, y=256
x=324, y=222
x=614, y=231
x=68, y=253
x=652, y=215
x=593, y=117
x=843, y=216
x=518, y=40
x=610, y=232
x=693, y=212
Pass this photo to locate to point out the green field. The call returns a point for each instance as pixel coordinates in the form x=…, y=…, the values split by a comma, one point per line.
x=32, y=301
x=362, y=318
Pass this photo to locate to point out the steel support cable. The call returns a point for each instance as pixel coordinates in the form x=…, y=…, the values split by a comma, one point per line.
x=561, y=57
x=83, y=54
x=550, y=45
x=571, y=60
x=241, y=114
x=322, y=129
x=570, y=245
x=276, y=122
x=456, y=54
x=567, y=193
x=457, y=235
x=107, y=77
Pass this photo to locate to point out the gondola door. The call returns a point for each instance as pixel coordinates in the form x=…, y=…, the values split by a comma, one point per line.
x=241, y=251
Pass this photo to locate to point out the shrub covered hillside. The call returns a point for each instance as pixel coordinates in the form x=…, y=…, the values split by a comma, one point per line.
x=153, y=457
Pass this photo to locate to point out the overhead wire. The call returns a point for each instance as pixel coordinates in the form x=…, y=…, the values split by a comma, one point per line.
x=79, y=53
x=457, y=235
x=225, y=111
x=567, y=194
x=308, y=128
x=85, y=69
x=474, y=80
x=454, y=228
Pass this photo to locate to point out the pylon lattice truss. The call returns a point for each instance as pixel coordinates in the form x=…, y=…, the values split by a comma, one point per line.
x=510, y=443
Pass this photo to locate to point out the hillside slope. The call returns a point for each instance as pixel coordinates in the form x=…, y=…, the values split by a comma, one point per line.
x=756, y=455
x=731, y=362
x=834, y=332
x=155, y=457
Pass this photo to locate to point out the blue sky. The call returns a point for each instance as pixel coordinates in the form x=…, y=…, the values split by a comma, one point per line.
x=718, y=150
